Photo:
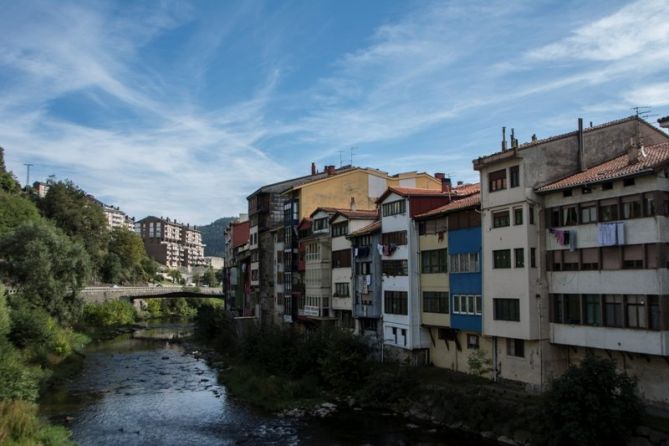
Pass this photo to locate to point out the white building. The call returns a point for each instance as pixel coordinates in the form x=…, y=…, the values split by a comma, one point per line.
x=515, y=286
x=607, y=256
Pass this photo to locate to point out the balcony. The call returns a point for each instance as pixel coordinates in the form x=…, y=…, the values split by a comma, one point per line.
x=342, y=303
x=618, y=339
x=315, y=307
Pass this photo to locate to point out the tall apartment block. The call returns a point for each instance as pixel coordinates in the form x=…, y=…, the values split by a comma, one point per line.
x=170, y=243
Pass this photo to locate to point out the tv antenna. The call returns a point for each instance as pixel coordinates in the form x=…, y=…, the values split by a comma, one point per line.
x=351, y=150
x=341, y=158
x=641, y=112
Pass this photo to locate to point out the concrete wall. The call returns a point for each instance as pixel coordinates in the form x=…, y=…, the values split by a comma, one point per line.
x=445, y=354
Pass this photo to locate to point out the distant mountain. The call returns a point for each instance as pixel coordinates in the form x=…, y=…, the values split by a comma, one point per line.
x=212, y=236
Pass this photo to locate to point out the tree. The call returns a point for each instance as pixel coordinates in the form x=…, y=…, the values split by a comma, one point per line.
x=14, y=210
x=125, y=258
x=591, y=404
x=79, y=217
x=209, y=277
x=47, y=268
x=8, y=181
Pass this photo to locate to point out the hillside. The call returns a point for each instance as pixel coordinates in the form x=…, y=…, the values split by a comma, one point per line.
x=212, y=236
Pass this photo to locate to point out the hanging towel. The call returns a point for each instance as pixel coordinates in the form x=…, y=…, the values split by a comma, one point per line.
x=620, y=233
x=355, y=252
x=572, y=241
x=379, y=248
x=607, y=234
x=368, y=280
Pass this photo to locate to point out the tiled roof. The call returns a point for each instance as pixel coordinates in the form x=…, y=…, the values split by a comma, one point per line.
x=650, y=158
x=465, y=190
x=357, y=215
x=462, y=203
x=369, y=229
x=414, y=191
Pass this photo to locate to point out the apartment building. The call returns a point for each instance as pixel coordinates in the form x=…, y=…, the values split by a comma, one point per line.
x=343, y=222
x=515, y=283
x=170, y=243
x=450, y=280
x=116, y=218
x=367, y=279
x=607, y=259
x=316, y=262
x=402, y=330
x=345, y=188
x=237, y=270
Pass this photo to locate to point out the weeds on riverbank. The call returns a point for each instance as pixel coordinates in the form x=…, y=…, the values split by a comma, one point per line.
x=20, y=425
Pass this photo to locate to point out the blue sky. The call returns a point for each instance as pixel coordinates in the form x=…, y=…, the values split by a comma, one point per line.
x=182, y=109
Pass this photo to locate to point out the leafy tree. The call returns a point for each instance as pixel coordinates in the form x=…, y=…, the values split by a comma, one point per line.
x=591, y=404
x=112, y=268
x=175, y=274
x=79, y=217
x=126, y=257
x=209, y=277
x=47, y=268
x=8, y=181
x=4, y=314
x=14, y=210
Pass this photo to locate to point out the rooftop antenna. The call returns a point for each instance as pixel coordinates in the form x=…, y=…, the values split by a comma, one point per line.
x=351, y=150
x=641, y=112
x=341, y=155
x=28, y=166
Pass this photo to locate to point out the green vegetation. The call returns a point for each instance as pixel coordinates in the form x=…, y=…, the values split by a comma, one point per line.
x=109, y=314
x=209, y=278
x=15, y=210
x=173, y=307
x=46, y=267
x=20, y=426
x=591, y=404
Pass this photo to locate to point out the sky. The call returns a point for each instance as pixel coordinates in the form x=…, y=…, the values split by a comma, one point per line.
x=182, y=109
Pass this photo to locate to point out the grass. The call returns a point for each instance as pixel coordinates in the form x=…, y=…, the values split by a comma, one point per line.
x=21, y=426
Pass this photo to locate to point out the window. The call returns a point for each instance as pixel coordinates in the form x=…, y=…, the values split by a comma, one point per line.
x=339, y=229
x=435, y=302
x=569, y=216
x=588, y=213
x=633, y=256
x=632, y=207
x=653, y=313
x=635, y=311
x=404, y=336
x=320, y=224
x=506, y=309
x=472, y=342
x=589, y=259
x=515, y=347
x=467, y=304
x=518, y=216
x=501, y=258
x=592, y=310
x=609, y=210
x=394, y=267
x=394, y=238
x=533, y=257
x=341, y=289
x=434, y=261
x=607, y=186
x=572, y=309
x=341, y=258
x=433, y=226
x=555, y=217
x=611, y=258
x=500, y=219
x=649, y=204
x=531, y=213
x=279, y=257
x=363, y=240
x=394, y=208
x=566, y=193
x=519, y=255
x=514, y=176
x=613, y=310
x=464, y=263
x=363, y=268
x=395, y=302
x=497, y=180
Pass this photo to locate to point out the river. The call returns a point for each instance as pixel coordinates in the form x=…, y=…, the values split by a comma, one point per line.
x=151, y=392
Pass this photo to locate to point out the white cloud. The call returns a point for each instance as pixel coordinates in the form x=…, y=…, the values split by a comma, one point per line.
x=652, y=95
x=634, y=29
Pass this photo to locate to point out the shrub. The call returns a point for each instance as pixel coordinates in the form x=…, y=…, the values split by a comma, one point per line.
x=591, y=404
x=30, y=327
x=17, y=379
x=20, y=425
x=109, y=313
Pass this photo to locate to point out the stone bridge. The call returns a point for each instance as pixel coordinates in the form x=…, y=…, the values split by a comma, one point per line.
x=97, y=294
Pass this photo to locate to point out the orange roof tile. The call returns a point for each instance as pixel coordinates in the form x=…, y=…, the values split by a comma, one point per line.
x=361, y=214
x=462, y=203
x=467, y=189
x=650, y=158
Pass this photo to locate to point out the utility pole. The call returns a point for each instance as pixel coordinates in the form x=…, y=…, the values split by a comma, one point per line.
x=28, y=166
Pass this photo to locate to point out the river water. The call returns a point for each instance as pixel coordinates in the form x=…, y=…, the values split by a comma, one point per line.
x=151, y=392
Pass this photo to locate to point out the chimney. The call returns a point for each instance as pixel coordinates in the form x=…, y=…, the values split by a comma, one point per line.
x=313, y=169
x=330, y=169
x=445, y=184
x=514, y=141
x=664, y=122
x=633, y=152
x=354, y=207
x=534, y=137
x=581, y=155
x=503, y=139
x=439, y=175
x=460, y=183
